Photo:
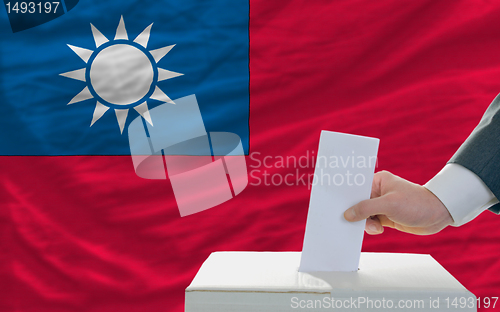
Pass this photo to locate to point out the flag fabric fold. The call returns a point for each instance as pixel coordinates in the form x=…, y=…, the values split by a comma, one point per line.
x=80, y=231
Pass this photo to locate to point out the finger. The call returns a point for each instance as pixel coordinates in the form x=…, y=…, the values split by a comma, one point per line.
x=370, y=207
x=376, y=192
x=379, y=179
x=384, y=221
x=373, y=226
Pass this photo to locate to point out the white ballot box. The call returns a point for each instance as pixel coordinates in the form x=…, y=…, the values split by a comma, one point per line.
x=271, y=282
x=331, y=273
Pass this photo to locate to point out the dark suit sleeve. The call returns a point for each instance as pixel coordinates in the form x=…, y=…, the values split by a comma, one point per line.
x=480, y=153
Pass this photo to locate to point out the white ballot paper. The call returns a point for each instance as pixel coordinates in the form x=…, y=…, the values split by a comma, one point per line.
x=343, y=177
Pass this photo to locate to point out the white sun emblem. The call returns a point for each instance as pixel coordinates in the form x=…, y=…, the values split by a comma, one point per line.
x=121, y=74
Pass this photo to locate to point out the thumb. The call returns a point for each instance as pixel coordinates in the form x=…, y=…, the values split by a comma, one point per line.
x=367, y=208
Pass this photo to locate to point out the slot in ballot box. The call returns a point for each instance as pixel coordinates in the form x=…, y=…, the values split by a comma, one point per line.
x=271, y=282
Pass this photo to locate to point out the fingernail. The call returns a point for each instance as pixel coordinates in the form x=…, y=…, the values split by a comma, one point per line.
x=373, y=228
x=352, y=214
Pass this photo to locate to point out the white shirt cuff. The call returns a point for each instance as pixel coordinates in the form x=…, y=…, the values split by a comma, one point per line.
x=462, y=192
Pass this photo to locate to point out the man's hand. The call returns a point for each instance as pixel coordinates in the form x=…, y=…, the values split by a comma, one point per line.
x=400, y=204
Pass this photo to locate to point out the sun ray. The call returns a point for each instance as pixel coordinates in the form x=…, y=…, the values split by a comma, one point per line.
x=98, y=112
x=158, y=54
x=161, y=96
x=121, y=116
x=121, y=32
x=164, y=74
x=78, y=74
x=99, y=38
x=144, y=111
x=84, y=54
x=143, y=37
x=82, y=96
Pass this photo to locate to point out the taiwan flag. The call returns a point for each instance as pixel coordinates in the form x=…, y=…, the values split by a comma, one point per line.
x=83, y=229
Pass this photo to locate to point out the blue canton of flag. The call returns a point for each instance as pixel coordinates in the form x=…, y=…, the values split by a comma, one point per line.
x=115, y=61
